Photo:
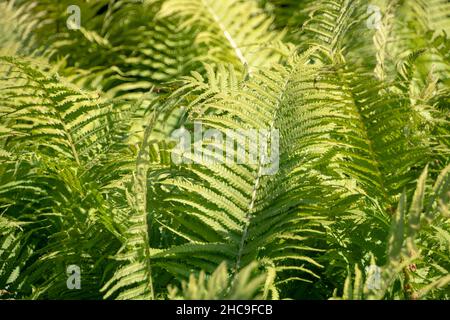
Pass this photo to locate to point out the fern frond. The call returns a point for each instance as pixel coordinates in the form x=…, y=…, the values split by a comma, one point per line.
x=219, y=286
x=220, y=25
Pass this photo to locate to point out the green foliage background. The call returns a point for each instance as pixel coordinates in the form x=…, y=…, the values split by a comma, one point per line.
x=86, y=176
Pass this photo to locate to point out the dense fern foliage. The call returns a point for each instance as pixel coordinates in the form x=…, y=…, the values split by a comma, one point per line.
x=355, y=94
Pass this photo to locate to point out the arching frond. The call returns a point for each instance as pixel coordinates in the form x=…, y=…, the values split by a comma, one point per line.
x=231, y=31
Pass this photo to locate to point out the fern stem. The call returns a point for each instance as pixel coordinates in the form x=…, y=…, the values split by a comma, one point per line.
x=258, y=179
x=227, y=35
x=140, y=187
x=373, y=155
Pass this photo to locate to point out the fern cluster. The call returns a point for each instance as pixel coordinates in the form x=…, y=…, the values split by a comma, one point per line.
x=356, y=93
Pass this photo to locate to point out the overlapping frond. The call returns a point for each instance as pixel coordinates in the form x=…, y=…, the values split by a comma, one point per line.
x=220, y=285
x=230, y=148
x=230, y=31
x=409, y=263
